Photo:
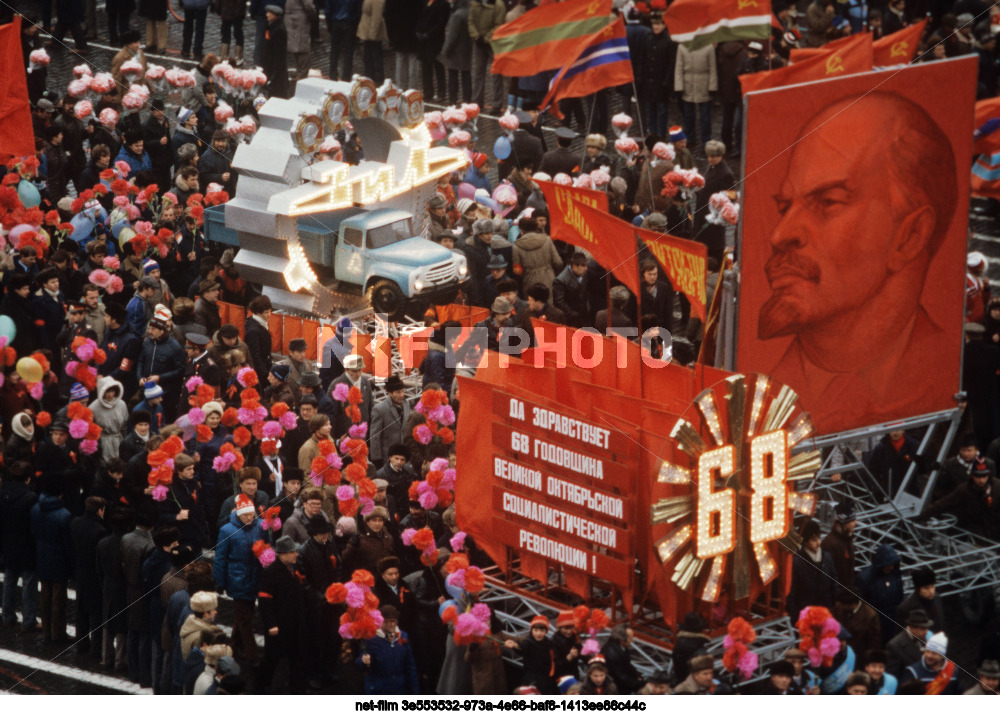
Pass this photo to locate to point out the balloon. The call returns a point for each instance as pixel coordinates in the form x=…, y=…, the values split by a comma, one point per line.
x=28, y=194
x=126, y=235
x=43, y=237
x=15, y=233
x=453, y=591
x=29, y=369
x=7, y=328
x=83, y=227
x=501, y=148
x=444, y=606
x=466, y=191
x=118, y=227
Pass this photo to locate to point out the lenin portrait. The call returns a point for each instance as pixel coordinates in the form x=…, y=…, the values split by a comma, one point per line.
x=852, y=260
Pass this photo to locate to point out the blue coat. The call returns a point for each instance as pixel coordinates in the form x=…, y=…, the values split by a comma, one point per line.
x=138, y=163
x=49, y=317
x=137, y=313
x=393, y=670
x=50, y=521
x=883, y=591
x=236, y=568
x=122, y=347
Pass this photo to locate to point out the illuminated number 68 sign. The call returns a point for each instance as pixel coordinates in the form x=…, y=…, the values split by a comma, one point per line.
x=715, y=522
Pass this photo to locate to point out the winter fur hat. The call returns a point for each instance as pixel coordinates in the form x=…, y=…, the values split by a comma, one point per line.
x=598, y=141
x=204, y=601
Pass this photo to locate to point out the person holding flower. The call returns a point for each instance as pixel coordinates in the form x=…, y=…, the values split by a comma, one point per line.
x=539, y=656
x=370, y=545
x=237, y=571
x=284, y=612
x=387, y=659
x=181, y=507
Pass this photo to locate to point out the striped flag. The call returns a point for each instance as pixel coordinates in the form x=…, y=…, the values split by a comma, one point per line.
x=986, y=136
x=603, y=62
x=697, y=23
x=542, y=38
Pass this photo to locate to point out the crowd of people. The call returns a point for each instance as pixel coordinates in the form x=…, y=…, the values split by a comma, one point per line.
x=137, y=478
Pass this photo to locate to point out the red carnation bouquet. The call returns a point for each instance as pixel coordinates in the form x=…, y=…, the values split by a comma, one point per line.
x=359, y=492
x=590, y=621
x=362, y=618
x=819, y=631
x=471, y=624
x=440, y=417
x=423, y=541
x=161, y=462
x=738, y=656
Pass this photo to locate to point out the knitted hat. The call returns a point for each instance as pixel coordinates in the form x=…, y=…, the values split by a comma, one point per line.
x=151, y=391
x=183, y=114
x=565, y=619
x=149, y=266
x=204, y=601
x=244, y=505
x=161, y=317
x=677, y=134
x=464, y=205
x=980, y=468
x=78, y=393
x=540, y=622
x=280, y=371
x=937, y=643
x=597, y=661
x=478, y=159
x=565, y=683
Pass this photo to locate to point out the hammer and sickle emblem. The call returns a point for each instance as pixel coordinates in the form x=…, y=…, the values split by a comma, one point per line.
x=834, y=65
x=899, y=49
x=593, y=7
x=743, y=4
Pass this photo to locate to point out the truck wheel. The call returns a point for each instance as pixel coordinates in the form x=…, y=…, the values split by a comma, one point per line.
x=384, y=296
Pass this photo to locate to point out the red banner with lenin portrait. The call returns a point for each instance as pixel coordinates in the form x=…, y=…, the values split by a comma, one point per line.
x=854, y=239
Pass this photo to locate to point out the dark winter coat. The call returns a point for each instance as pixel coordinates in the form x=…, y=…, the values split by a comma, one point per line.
x=620, y=667
x=813, y=584
x=401, y=599
x=16, y=543
x=136, y=548
x=883, y=591
x=393, y=670
x=50, y=520
x=283, y=605
x=430, y=29
x=154, y=569
x=689, y=644
x=320, y=563
x=153, y=10
x=890, y=466
x=933, y=608
x=562, y=646
x=194, y=529
x=655, y=65
x=86, y=532
x=366, y=550
x=165, y=358
x=539, y=664
x=903, y=649
x=841, y=548
x=401, y=17
x=49, y=317
x=258, y=341
x=456, y=52
x=274, y=58
x=113, y=585
x=570, y=296
x=731, y=55
x=977, y=510
x=236, y=568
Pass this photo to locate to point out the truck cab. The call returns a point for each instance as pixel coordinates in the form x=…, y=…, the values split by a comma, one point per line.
x=378, y=251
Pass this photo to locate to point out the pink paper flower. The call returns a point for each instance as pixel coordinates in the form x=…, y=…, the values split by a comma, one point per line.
x=457, y=579
x=429, y=500
x=266, y=557
x=482, y=612
x=122, y=168
x=71, y=367
x=340, y=391
x=358, y=431
x=345, y=492
x=116, y=285
x=367, y=506
x=590, y=646
x=457, y=542
x=376, y=616
x=289, y=420
x=196, y=416
x=448, y=480
x=355, y=596
x=86, y=351
x=747, y=664
x=193, y=383
x=112, y=263
x=438, y=464
x=88, y=446
x=159, y=493
x=333, y=459
x=407, y=536
x=78, y=429
x=345, y=631
x=272, y=429
x=424, y=435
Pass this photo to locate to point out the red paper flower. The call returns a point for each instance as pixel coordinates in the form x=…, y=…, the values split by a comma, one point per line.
x=43, y=420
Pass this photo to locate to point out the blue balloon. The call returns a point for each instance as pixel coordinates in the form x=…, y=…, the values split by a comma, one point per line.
x=117, y=228
x=501, y=148
x=441, y=609
x=453, y=591
x=7, y=328
x=28, y=193
x=83, y=227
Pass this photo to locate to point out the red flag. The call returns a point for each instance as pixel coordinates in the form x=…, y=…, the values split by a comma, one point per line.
x=800, y=54
x=697, y=23
x=17, y=138
x=603, y=62
x=576, y=216
x=986, y=137
x=685, y=263
x=900, y=47
x=851, y=58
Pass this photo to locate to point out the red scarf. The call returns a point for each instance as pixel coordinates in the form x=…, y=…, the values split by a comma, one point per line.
x=937, y=686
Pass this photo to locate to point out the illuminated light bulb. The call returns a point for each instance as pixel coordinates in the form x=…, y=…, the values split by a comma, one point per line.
x=706, y=404
x=715, y=508
x=673, y=474
x=765, y=563
x=768, y=469
x=800, y=429
x=802, y=502
x=298, y=273
x=668, y=547
x=713, y=584
x=761, y=385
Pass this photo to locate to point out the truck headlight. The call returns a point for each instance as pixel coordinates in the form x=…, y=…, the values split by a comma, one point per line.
x=463, y=269
x=418, y=285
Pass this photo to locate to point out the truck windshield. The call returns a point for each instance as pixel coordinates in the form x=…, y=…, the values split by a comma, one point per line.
x=390, y=233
